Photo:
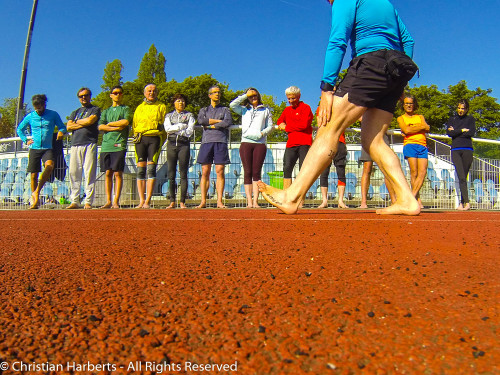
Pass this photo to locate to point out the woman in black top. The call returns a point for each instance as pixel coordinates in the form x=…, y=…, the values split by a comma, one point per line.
x=461, y=128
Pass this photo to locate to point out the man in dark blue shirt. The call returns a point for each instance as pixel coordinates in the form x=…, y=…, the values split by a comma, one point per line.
x=377, y=75
x=216, y=121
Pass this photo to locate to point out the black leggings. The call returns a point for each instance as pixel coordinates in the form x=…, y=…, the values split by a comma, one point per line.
x=340, y=162
x=177, y=153
x=252, y=157
x=462, y=159
x=290, y=158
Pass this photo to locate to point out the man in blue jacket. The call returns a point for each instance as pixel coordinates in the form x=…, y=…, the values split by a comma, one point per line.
x=42, y=122
x=381, y=68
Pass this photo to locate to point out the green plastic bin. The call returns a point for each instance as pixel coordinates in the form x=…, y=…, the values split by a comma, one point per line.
x=276, y=179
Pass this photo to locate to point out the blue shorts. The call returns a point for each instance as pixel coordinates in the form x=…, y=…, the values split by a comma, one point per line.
x=213, y=153
x=413, y=150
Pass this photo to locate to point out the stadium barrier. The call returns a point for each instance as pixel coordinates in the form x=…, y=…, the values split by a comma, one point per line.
x=438, y=192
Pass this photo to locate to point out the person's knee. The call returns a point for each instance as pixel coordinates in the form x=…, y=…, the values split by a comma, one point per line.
x=141, y=173
x=151, y=171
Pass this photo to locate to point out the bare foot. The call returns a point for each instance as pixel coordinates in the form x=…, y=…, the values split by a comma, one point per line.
x=341, y=205
x=278, y=198
x=420, y=203
x=115, y=205
x=221, y=205
x=323, y=205
x=363, y=205
x=409, y=207
x=72, y=206
x=34, y=201
x=107, y=205
x=146, y=206
x=172, y=205
x=460, y=207
x=256, y=205
x=87, y=206
x=467, y=207
x=202, y=205
x=182, y=205
x=140, y=205
x=249, y=205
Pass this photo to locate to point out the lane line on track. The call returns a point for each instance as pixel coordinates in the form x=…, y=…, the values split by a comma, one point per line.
x=250, y=219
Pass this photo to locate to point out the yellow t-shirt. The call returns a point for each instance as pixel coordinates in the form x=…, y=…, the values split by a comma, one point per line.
x=418, y=138
x=147, y=117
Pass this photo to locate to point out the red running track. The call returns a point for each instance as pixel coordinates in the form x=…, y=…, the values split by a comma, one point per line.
x=323, y=292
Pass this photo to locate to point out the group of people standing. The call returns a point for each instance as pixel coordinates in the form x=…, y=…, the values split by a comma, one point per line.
x=152, y=127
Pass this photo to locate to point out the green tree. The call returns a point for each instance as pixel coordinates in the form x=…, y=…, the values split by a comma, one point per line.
x=152, y=68
x=112, y=77
x=8, y=117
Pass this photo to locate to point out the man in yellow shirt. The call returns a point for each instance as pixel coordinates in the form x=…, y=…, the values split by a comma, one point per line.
x=148, y=131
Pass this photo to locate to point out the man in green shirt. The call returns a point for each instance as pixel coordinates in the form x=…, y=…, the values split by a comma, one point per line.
x=114, y=123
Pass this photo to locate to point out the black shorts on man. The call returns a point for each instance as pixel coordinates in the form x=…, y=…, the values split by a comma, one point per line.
x=36, y=157
x=213, y=153
x=373, y=81
x=113, y=161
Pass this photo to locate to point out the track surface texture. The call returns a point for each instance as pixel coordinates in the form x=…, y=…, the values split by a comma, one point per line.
x=320, y=292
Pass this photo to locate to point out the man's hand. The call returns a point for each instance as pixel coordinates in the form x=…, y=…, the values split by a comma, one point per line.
x=325, y=108
x=60, y=136
x=465, y=130
x=30, y=142
x=282, y=126
x=451, y=128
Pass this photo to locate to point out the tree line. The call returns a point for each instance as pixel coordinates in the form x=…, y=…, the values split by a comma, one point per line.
x=435, y=105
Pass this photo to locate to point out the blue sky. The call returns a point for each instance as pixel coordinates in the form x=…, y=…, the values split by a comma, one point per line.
x=269, y=44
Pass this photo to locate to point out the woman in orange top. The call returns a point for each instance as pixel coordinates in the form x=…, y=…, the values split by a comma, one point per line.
x=415, y=151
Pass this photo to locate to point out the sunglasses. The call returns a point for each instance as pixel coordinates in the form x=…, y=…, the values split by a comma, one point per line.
x=84, y=96
x=117, y=93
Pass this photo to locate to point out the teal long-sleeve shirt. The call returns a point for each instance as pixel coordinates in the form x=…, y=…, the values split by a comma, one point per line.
x=369, y=25
x=42, y=128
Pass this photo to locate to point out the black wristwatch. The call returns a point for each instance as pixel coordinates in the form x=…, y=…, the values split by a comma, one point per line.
x=325, y=86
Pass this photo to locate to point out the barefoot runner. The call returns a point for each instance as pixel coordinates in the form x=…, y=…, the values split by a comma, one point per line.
x=375, y=80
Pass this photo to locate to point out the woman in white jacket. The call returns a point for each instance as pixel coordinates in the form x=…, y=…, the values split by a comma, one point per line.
x=179, y=126
x=256, y=123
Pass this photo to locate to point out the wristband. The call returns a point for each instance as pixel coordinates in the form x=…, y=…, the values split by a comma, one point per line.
x=325, y=86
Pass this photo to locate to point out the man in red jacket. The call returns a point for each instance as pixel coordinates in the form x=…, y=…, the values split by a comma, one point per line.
x=296, y=121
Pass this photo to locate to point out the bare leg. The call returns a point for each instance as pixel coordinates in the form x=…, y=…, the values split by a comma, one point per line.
x=108, y=186
x=286, y=183
x=34, y=181
x=392, y=193
x=324, y=196
x=248, y=193
x=421, y=173
x=341, y=189
x=141, y=187
x=365, y=182
x=150, y=184
x=373, y=127
x=256, y=192
x=221, y=180
x=204, y=182
x=35, y=196
x=118, y=189
x=318, y=158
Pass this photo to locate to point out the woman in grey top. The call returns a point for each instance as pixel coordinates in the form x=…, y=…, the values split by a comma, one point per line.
x=179, y=125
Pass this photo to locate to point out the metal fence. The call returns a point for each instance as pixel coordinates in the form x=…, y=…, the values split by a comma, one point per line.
x=438, y=192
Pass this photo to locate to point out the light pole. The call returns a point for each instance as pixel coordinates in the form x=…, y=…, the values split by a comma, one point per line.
x=20, y=101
